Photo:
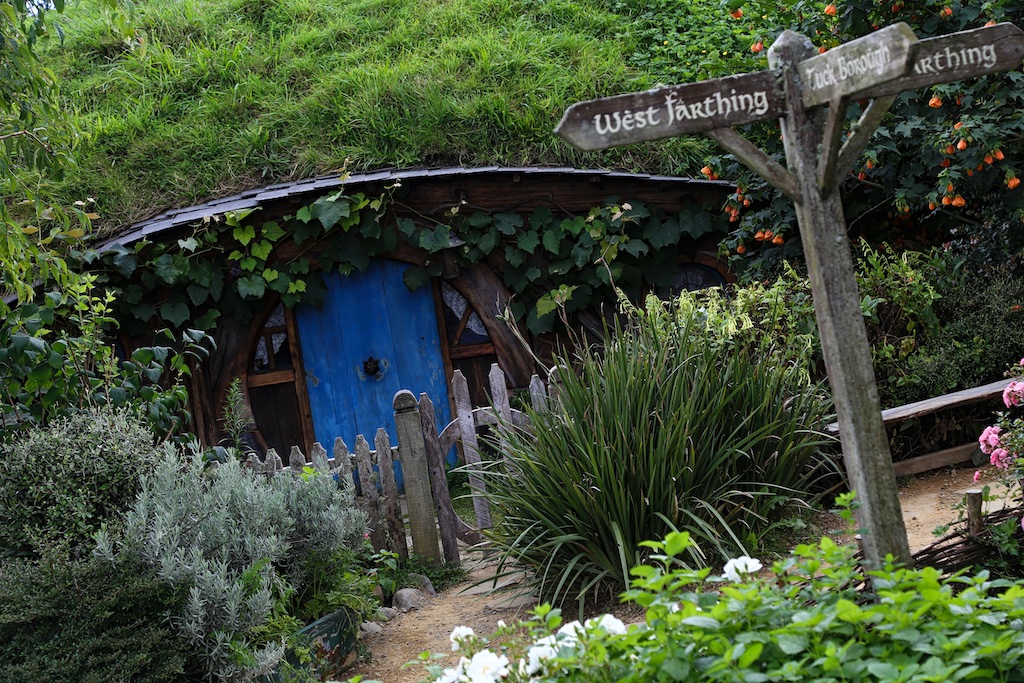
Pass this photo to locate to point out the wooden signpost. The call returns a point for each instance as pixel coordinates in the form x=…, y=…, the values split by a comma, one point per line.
x=876, y=67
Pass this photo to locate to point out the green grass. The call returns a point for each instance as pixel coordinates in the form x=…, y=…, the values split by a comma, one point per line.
x=208, y=97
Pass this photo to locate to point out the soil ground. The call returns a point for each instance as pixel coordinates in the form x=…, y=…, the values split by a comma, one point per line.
x=928, y=501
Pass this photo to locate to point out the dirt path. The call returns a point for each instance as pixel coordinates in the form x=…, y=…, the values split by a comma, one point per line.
x=928, y=502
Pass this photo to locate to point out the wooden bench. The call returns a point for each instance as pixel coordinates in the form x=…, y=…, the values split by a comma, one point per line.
x=948, y=456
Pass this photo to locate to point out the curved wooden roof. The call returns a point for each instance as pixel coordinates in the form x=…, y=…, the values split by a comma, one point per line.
x=491, y=187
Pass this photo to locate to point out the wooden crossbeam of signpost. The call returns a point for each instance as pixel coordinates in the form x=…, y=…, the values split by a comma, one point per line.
x=876, y=67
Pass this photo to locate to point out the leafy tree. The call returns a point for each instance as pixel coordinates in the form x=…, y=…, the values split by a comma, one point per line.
x=942, y=168
x=36, y=137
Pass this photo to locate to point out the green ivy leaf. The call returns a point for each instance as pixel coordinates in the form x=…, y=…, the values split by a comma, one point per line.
x=514, y=256
x=244, y=234
x=302, y=231
x=251, y=287
x=553, y=240
x=574, y=226
x=248, y=263
x=142, y=312
x=662, y=233
x=270, y=274
x=480, y=220
x=272, y=231
x=406, y=226
x=304, y=214
x=507, y=222
x=188, y=245
x=330, y=210
x=197, y=294
x=235, y=218
x=581, y=255
x=528, y=241
x=488, y=241
x=540, y=218
x=174, y=312
x=124, y=261
x=435, y=239
x=280, y=282
x=261, y=250
x=208, y=320
x=166, y=269
x=201, y=273
x=634, y=247
x=216, y=285
x=698, y=225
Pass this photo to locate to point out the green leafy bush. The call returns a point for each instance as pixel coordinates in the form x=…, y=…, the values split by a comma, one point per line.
x=56, y=359
x=88, y=621
x=815, y=616
x=659, y=431
x=241, y=546
x=981, y=319
x=63, y=481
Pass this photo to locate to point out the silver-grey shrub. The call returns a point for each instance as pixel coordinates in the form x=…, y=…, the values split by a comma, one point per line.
x=234, y=539
x=61, y=482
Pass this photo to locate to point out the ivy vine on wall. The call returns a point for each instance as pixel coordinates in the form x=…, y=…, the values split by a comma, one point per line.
x=229, y=264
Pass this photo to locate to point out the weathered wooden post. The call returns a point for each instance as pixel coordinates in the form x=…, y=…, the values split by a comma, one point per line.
x=368, y=480
x=809, y=137
x=809, y=93
x=412, y=454
x=471, y=449
x=439, y=482
x=975, y=519
x=392, y=510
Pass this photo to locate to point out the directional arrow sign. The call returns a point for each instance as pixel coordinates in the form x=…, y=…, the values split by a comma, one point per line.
x=857, y=65
x=956, y=56
x=674, y=110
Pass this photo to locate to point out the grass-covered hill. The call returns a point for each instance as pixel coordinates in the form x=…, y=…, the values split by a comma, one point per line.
x=192, y=99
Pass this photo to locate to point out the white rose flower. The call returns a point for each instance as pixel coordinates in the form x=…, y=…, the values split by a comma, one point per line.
x=609, y=624
x=737, y=569
x=486, y=667
x=537, y=655
x=460, y=633
x=570, y=631
x=453, y=675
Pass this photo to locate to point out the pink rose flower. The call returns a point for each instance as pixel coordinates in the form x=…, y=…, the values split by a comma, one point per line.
x=989, y=439
x=1001, y=458
x=977, y=476
x=1013, y=394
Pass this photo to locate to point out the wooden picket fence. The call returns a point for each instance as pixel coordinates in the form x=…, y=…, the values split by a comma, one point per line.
x=421, y=449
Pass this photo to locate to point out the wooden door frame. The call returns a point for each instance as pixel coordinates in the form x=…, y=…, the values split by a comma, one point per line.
x=298, y=371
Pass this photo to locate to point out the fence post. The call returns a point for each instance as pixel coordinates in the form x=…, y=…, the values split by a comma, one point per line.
x=318, y=456
x=392, y=510
x=412, y=454
x=499, y=394
x=368, y=482
x=975, y=521
x=296, y=460
x=467, y=432
x=439, y=482
x=343, y=464
x=538, y=395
